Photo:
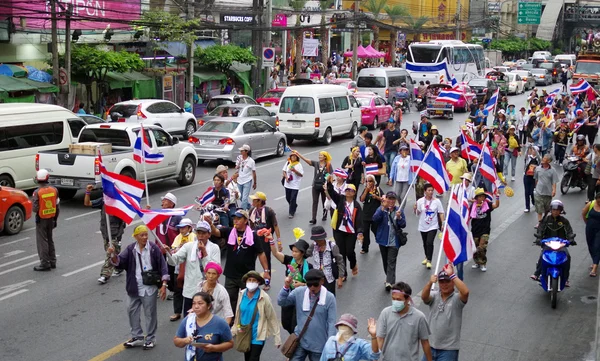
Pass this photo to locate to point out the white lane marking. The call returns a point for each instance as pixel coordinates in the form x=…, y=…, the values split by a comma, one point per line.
x=13, y=253
x=81, y=215
x=18, y=267
x=17, y=260
x=15, y=286
x=12, y=295
x=13, y=242
x=301, y=190
x=83, y=269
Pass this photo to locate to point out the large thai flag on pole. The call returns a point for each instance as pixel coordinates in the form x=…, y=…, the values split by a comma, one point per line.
x=581, y=86
x=121, y=194
x=487, y=168
x=449, y=96
x=433, y=169
x=457, y=239
x=142, y=151
x=470, y=149
x=206, y=198
x=416, y=156
x=491, y=104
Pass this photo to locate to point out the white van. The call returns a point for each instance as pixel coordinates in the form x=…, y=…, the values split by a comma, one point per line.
x=318, y=111
x=546, y=55
x=384, y=81
x=25, y=130
x=568, y=59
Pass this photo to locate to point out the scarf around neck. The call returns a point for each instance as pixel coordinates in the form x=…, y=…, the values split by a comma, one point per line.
x=484, y=208
x=247, y=237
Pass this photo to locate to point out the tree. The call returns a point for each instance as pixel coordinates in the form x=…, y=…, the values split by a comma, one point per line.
x=222, y=57
x=165, y=26
x=395, y=13
x=298, y=5
x=324, y=31
x=416, y=25
x=375, y=7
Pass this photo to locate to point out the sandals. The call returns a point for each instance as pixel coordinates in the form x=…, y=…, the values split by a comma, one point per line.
x=355, y=271
x=175, y=317
x=593, y=274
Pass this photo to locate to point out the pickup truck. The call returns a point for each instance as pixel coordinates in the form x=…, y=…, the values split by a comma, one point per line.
x=71, y=172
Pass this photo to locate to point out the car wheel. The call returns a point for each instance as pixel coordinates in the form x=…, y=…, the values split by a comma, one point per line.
x=66, y=193
x=327, y=137
x=375, y=121
x=190, y=128
x=188, y=172
x=14, y=220
x=128, y=173
x=353, y=130
x=280, y=148
x=6, y=181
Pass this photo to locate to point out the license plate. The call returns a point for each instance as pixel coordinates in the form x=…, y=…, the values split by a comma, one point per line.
x=439, y=112
x=296, y=124
x=209, y=141
x=66, y=182
x=267, y=104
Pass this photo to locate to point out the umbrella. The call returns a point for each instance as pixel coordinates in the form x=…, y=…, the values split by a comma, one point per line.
x=13, y=70
x=38, y=75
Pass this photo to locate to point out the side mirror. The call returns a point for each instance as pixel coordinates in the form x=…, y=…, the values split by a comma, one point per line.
x=272, y=114
x=181, y=110
x=414, y=82
x=175, y=140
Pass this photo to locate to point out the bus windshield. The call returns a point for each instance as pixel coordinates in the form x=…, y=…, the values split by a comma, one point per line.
x=424, y=53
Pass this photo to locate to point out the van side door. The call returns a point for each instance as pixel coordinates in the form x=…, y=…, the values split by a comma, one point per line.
x=342, y=114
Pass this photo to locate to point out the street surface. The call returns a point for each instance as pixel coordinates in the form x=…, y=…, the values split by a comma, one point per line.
x=66, y=315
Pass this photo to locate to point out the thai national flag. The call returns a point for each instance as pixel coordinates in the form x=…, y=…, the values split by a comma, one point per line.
x=142, y=143
x=372, y=168
x=550, y=98
x=470, y=149
x=433, y=169
x=491, y=104
x=206, y=198
x=449, y=96
x=457, y=239
x=486, y=167
x=581, y=86
x=416, y=156
x=114, y=187
x=340, y=173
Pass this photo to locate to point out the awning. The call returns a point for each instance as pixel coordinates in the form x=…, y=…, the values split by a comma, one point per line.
x=42, y=87
x=242, y=73
x=143, y=86
x=10, y=84
x=203, y=75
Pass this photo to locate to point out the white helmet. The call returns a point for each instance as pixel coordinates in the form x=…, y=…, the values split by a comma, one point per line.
x=42, y=175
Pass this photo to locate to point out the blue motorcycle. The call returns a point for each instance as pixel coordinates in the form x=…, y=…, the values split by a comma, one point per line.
x=554, y=257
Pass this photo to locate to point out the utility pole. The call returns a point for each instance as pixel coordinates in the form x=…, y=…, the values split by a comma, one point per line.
x=67, y=87
x=189, y=14
x=257, y=36
x=355, y=41
x=269, y=23
x=457, y=35
x=53, y=20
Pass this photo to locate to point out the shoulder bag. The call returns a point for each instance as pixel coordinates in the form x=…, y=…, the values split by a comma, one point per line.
x=291, y=344
x=339, y=356
x=243, y=338
x=149, y=278
x=400, y=234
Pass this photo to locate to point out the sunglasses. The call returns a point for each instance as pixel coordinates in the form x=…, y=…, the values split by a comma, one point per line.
x=370, y=181
x=312, y=284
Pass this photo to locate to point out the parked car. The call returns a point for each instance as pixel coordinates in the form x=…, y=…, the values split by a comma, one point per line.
x=527, y=78
x=466, y=98
x=163, y=113
x=515, y=83
x=70, y=172
x=373, y=108
x=502, y=69
x=542, y=76
x=345, y=82
x=527, y=66
x=553, y=68
x=15, y=209
x=224, y=99
x=483, y=88
x=239, y=110
x=91, y=119
x=270, y=99
x=221, y=138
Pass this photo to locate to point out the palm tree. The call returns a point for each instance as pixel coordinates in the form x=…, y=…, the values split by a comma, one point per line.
x=416, y=25
x=395, y=13
x=375, y=7
x=298, y=5
x=324, y=31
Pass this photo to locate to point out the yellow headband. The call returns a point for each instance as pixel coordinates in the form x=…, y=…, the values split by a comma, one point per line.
x=140, y=229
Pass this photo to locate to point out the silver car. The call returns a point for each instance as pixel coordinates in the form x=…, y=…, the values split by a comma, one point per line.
x=527, y=77
x=542, y=76
x=239, y=110
x=228, y=99
x=220, y=139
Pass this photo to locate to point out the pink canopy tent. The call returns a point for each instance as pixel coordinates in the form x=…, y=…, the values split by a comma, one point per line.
x=361, y=53
x=375, y=53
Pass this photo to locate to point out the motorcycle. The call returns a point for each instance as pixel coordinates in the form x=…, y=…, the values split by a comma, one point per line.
x=420, y=103
x=554, y=257
x=402, y=97
x=572, y=176
x=212, y=212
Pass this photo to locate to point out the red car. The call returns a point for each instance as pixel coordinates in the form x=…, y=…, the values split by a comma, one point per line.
x=270, y=99
x=15, y=209
x=345, y=82
x=374, y=109
x=466, y=99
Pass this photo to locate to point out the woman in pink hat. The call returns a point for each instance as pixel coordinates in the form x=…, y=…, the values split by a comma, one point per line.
x=221, y=304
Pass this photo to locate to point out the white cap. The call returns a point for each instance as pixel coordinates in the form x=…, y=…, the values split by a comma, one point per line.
x=203, y=226
x=245, y=147
x=170, y=197
x=185, y=222
x=454, y=149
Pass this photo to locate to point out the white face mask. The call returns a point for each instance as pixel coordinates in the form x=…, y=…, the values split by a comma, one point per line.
x=251, y=286
x=343, y=333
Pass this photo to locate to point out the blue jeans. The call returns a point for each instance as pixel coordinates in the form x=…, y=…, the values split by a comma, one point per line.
x=244, y=193
x=389, y=159
x=442, y=355
x=301, y=354
x=512, y=159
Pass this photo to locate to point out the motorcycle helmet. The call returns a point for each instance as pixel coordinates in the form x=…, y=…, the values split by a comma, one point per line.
x=398, y=103
x=42, y=175
x=403, y=84
x=557, y=204
x=580, y=137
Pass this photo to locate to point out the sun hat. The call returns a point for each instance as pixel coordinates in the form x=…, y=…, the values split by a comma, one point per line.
x=479, y=192
x=258, y=195
x=318, y=233
x=170, y=197
x=348, y=320
x=255, y=275
x=301, y=245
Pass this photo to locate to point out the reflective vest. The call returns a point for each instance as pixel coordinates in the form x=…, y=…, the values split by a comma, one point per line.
x=47, y=197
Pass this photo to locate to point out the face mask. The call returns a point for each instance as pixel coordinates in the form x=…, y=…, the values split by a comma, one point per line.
x=344, y=333
x=397, y=306
x=251, y=286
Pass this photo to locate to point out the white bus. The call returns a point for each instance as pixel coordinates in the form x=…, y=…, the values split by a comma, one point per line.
x=465, y=61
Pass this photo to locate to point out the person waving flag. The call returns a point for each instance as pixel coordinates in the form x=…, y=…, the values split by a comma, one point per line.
x=433, y=169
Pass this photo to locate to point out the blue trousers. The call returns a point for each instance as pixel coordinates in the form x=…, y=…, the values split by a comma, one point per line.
x=244, y=194
x=301, y=354
x=389, y=159
x=442, y=355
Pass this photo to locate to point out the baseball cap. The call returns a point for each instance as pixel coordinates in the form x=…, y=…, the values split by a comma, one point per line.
x=443, y=276
x=350, y=186
x=454, y=149
x=221, y=168
x=170, y=197
x=245, y=147
x=391, y=195
x=184, y=223
x=241, y=213
x=203, y=226
x=258, y=195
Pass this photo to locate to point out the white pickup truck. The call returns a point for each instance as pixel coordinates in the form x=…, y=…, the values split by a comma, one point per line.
x=71, y=172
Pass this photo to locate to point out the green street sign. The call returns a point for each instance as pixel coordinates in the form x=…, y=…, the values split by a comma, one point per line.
x=528, y=20
x=529, y=13
x=530, y=6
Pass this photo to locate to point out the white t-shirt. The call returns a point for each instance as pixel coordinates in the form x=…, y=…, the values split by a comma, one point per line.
x=428, y=211
x=245, y=168
x=294, y=183
x=402, y=169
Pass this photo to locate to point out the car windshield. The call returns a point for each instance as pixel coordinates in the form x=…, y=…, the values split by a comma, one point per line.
x=272, y=95
x=226, y=111
x=527, y=66
x=522, y=73
x=546, y=65
x=371, y=82
x=91, y=119
x=219, y=127
x=213, y=103
x=587, y=67
x=538, y=71
x=116, y=137
x=126, y=110
x=297, y=105
x=364, y=102
x=478, y=82
x=423, y=53
x=511, y=77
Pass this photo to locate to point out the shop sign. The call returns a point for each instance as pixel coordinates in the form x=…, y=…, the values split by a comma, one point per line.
x=238, y=19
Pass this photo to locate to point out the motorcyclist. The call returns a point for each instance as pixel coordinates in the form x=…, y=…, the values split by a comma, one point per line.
x=554, y=225
x=580, y=150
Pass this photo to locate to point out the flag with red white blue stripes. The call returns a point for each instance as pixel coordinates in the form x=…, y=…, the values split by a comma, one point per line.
x=433, y=169
x=142, y=151
x=580, y=87
x=457, y=239
x=206, y=198
x=372, y=168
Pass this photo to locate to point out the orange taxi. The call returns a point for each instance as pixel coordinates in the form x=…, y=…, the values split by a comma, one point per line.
x=15, y=209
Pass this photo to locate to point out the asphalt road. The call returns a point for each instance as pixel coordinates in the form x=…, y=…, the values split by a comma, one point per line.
x=66, y=315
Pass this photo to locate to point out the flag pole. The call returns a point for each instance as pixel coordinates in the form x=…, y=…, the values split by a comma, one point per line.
x=415, y=177
x=144, y=166
x=439, y=258
x=110, y=243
